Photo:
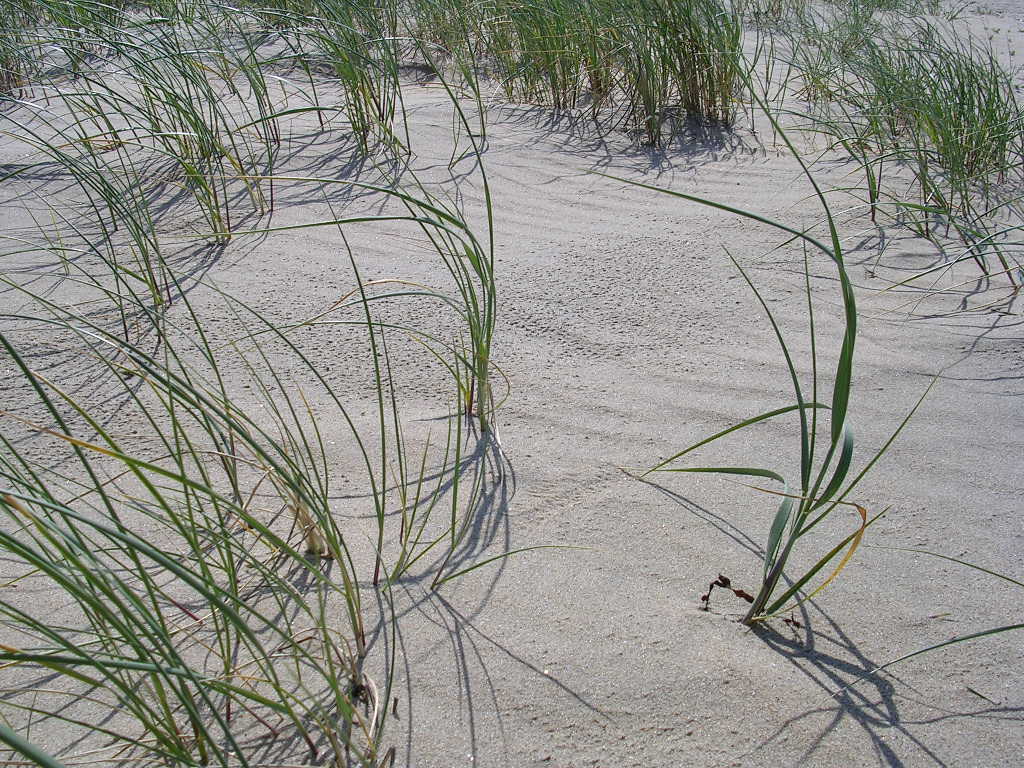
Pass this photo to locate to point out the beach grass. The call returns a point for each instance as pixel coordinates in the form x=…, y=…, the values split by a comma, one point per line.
x=212, y=597
x=215, y=591
x=915, y=98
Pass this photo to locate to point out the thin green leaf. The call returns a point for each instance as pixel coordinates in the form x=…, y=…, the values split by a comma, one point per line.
x=734, y=428
x=28, y=749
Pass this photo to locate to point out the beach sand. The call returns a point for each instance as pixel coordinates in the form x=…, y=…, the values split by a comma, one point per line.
x=626, y=334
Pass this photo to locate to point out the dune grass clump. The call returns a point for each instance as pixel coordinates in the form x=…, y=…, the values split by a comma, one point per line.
x=642, y=62
x=917, y=98
x=825, y=447
x=15, y=50
x=682, y=53
x=359, y=43
x=771, y=14
x=903, y=7
x=222, y=608
x=152, y=110
x=190, y=624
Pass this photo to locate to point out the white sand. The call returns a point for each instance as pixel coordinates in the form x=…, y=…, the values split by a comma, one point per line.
x=627, y=335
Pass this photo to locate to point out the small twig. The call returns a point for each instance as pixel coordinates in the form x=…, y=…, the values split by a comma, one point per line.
x=725, y=583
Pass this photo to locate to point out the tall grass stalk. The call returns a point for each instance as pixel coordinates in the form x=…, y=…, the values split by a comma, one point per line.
x=825, y=452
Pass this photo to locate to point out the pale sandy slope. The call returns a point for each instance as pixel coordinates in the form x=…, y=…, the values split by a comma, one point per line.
x=626, y=335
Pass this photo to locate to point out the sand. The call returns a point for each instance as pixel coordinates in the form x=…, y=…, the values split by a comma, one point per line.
x=626, y=334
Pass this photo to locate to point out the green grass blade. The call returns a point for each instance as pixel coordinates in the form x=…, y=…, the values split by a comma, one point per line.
x=841, y=470
x=747, y=471
x=941, y=556
x=734, y=428
x=937, y=646
x=27, y=749
x=782, y=517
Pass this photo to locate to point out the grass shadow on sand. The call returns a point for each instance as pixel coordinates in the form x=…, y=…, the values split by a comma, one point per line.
x=470, y=648
x=851, y=690
x=693, y=143
x=832, y=662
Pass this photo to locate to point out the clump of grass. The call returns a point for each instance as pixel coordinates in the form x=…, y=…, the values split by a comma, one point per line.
x=902, y=7
x=359, y=42
x=679, y=53
x=916, y=96
x=15, y=57
x=825, y=452
x=113, y=199
x=148, y=100
x=771, y=14
x=192, y=625
x=189, y=551
x=651, y=61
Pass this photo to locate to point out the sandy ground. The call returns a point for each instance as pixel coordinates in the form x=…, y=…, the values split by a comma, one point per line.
x=626, y=335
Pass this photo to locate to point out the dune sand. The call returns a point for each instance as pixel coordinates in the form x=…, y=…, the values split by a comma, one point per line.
x=626, y=334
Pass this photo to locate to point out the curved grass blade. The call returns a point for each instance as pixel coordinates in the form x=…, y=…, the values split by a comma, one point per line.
x=28, y=749
x=734, y=428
